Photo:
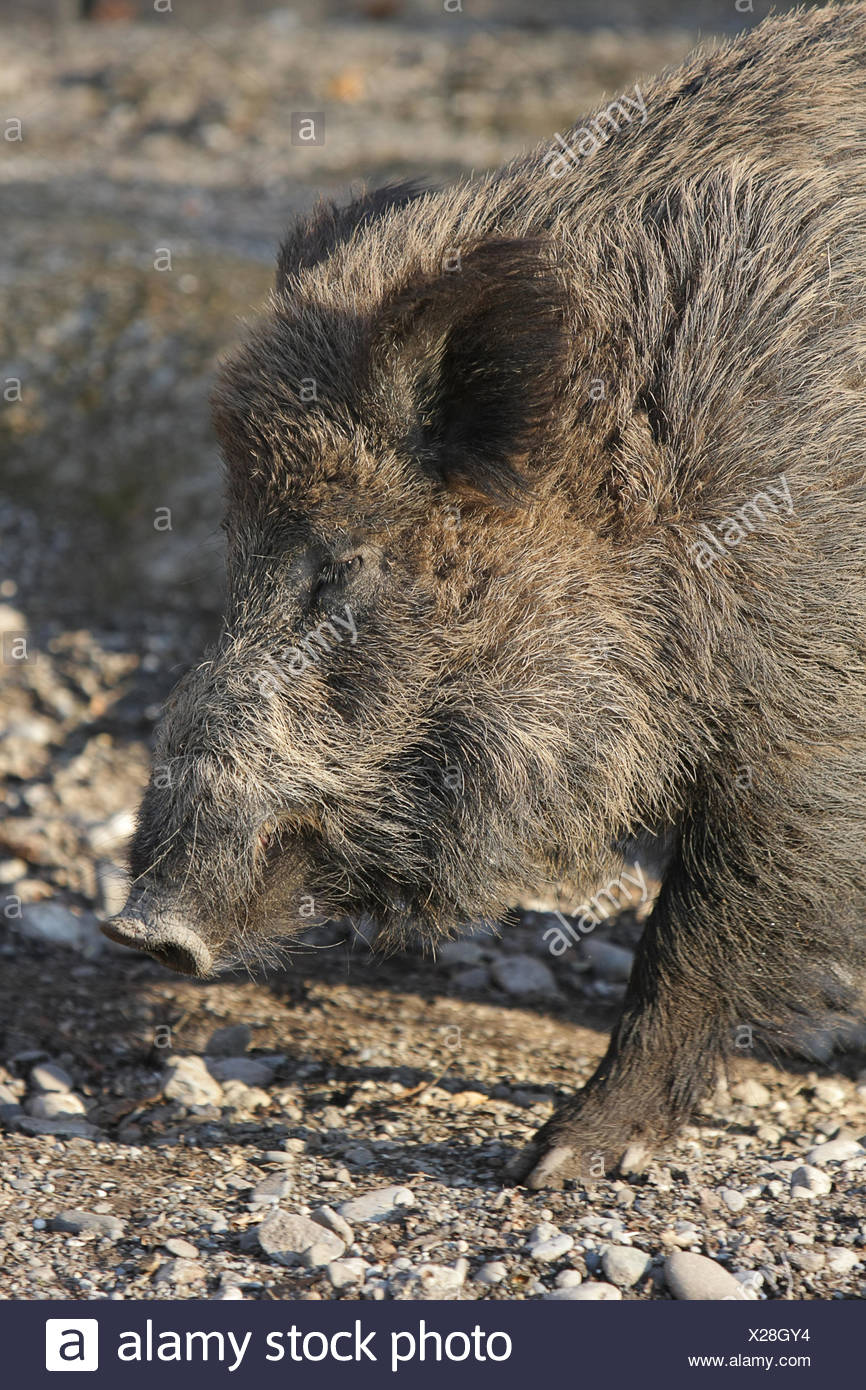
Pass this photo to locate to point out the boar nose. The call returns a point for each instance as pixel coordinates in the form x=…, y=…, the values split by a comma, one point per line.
x=161, y=934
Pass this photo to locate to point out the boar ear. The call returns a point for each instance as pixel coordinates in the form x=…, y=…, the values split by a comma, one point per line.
x=477, y=355
x=314, y=237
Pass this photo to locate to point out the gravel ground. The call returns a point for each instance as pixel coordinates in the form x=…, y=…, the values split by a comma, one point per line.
x=347, y=1136
x=151, y=1153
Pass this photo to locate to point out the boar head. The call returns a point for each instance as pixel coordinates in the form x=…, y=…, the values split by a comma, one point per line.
x=410, y=712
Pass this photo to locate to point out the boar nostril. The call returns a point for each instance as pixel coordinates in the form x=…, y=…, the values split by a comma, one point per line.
x=176, y=957
x=168, y=940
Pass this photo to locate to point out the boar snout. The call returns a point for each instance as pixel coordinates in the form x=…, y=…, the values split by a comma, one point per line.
x=162, y=934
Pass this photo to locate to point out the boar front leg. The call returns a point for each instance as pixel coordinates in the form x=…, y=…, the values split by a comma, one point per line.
x=678, y=1018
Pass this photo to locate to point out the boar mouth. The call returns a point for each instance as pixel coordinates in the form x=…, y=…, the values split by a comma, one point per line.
x=167, y=939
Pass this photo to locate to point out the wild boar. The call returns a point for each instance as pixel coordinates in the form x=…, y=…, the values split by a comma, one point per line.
x=546, y=527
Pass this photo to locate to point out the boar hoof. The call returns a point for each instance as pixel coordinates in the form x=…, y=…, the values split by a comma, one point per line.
x=634, y=1160
x=576, y=1152
x=557, y=1164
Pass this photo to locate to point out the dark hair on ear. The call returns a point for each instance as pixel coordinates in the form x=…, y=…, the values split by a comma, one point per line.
x=316, y=235
x=476, y=356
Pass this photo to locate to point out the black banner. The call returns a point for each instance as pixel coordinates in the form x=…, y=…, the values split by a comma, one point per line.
x=489, y=1344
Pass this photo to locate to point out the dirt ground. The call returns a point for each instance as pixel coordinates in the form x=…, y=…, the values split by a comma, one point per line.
x=143, y=1157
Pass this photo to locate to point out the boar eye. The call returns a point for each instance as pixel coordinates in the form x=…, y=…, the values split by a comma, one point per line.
x=336, y=573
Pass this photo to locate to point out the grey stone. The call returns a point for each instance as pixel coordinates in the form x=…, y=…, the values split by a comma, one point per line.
x=609, y=961
x=696, y=1277
x=492, y=1273
x=11, y=870
x=461, y=953
x=333, y=1221
x=522, y=976
x=382, y=1204
x=828, y=1089
x=344, y=1273
x=810, y=1261
x=62, y=1127
x=751, y=1093
x=231, y=1041
x=188, y=1081
x=432, y=1281
x=75, y=1222
x=624, y=1265
x=252, y=1071
x=179, y=1272
x=733, y=1200
x=842, y=1261
x=271, y=1190
x=48, y=1076
x=184, y=1249
x=568, y=1279
x=750, y=1280
x=475, y=977
x=55, y=924
x=809, y=1182
x=293, y=1240
x=237, y=1096
x=835, y=1150
x=360, y=1156
x=546, y=1242
x=52, y=1105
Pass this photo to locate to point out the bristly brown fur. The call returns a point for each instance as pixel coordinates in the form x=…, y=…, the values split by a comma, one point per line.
x=494, y=426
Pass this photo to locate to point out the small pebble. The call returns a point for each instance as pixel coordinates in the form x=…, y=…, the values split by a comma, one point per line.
x=61, y=1126
x=831, y=1091
x=271, y=1190
x=251, y=1071
x=75, y=1222
x=183, y=1248
x=835, y=1151
x=624, y=1265
x=51, y=1105
x=521, y=976
x=382, y=1204
x=179, y=1272
x=343, y=1273
x=809, y=1182
x=188, y=1081
x=48, y=1076
x=231, y=1041
x=695, y=1277
x=292, y=1240
x=473, y=977
x=610, y=962
x=546, y=1242
x=460, y=953
x=361, y=1157
x=333, y=1221
x=841, y=1260
x=733, y=1200
x=751, y=1093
